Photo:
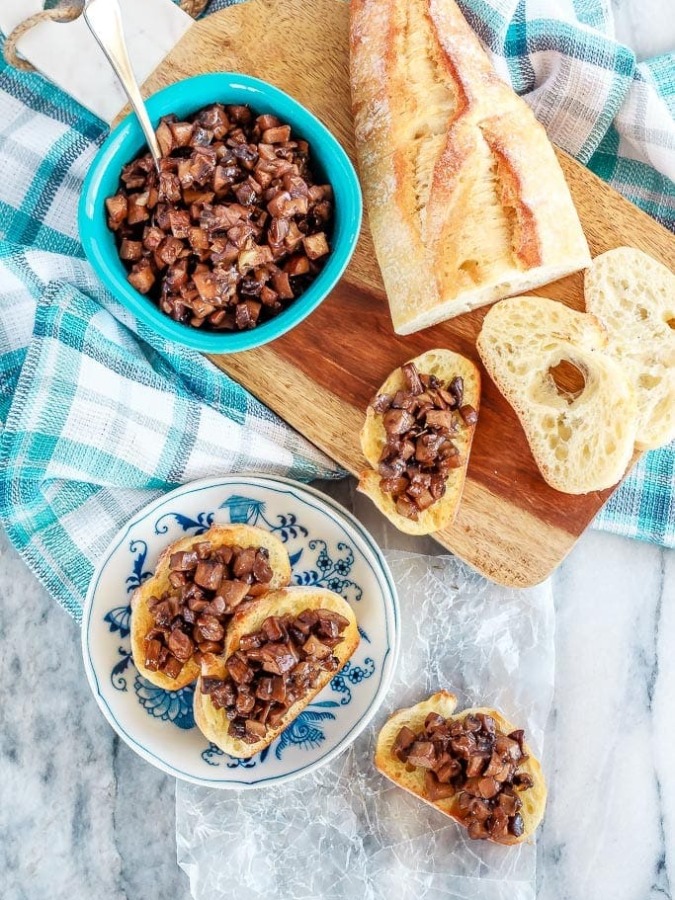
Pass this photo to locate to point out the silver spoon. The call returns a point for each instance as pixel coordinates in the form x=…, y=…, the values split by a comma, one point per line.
x=104, y=19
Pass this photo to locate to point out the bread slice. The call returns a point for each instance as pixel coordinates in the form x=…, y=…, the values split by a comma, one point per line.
x=445, y=703
x=292, y=600
x=445, y=364
x=465, y=197
x=583, y=441
x=634, y=297
x=219, y=536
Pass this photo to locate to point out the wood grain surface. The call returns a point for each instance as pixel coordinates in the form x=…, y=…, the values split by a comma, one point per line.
x=511, y=526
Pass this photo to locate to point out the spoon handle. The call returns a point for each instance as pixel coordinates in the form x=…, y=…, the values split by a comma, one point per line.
x=105, y=22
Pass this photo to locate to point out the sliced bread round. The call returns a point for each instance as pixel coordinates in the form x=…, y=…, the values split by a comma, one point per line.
x=634, y=297
x=581, y=442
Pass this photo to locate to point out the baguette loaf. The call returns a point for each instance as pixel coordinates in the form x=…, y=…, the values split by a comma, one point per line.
x=582, y=441
x=634, y=297
x=445, y=365
x=445, y=703
x=291, y=601
x=142, y=619
x=465, y=197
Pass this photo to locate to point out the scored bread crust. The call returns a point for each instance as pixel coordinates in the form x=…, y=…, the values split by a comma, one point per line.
x=220, y=536
x=634, y=297
x=289, y=601
x=465, y=197
x=445, y=364
x=445, y=703
x=580, y=444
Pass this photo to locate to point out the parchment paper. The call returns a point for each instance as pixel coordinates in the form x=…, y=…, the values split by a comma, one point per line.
x=345, y=832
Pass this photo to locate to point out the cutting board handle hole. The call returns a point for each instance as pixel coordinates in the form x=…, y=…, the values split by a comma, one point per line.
x=568, y=379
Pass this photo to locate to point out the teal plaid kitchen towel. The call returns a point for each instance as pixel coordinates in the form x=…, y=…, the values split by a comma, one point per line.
x=102, y=416
x=99, y=415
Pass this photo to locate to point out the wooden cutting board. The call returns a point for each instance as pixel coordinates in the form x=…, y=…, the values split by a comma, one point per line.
x=511, y=526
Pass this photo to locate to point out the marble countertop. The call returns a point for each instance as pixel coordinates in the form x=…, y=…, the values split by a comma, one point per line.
x=82, y=816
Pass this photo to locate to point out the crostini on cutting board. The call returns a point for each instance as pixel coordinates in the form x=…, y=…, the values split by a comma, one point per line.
x=417, y=439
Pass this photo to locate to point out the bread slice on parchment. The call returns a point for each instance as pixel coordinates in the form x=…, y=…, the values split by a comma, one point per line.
x=142, y=620
x=466, y=200
x=213, y=722
x=444, y=703
x=445, y=365
x=582, y=438
x=634, y=297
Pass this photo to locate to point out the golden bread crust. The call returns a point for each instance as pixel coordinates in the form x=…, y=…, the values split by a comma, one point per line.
x=465, y=205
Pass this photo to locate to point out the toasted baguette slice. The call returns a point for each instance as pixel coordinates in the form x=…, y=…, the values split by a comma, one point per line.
x=445, y=365
x=292, y=600
x=465, y=197
x=219, y=536
x=445, y=703
x=634, y=297
x=583, y=442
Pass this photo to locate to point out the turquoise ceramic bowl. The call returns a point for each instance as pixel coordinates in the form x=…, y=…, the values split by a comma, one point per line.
x=126, y=141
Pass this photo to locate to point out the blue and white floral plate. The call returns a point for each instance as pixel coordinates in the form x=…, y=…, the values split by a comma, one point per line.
x=327, y=547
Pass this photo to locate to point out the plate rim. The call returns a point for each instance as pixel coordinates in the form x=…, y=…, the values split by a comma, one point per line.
x=389, y=659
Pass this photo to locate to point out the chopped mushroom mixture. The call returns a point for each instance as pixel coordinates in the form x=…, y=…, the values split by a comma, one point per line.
x=206, y=586
x=419, y=452
x=472, y=759
x=275, y=667
x=233, y=228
